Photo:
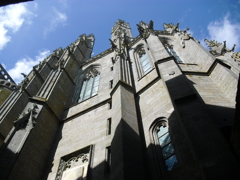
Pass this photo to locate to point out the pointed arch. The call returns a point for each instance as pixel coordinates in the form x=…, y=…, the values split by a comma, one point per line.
x=90, y=83
x=142, y=60
x=161, y=138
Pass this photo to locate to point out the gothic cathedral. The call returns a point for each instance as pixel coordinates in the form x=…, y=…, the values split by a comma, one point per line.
x=157, y=106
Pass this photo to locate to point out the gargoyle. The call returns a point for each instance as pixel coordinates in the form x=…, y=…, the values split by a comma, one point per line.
x=171, y=28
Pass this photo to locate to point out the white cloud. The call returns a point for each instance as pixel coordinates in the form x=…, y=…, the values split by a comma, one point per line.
x=225, y=30
x=25, y=65
x=12, y=18
x=63, y=3
x=57, y=18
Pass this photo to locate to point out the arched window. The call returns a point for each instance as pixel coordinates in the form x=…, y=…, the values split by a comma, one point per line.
x=90, y=83
x=142, y=60
x=164, y=146
x=172, y=52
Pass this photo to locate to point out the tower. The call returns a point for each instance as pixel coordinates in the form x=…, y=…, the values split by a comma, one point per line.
x=155, y=106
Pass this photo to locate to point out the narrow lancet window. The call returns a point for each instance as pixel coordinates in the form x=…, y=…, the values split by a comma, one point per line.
x=167, y=149
x=143, y=63
x=89, y=85
x=172, y=52
x=146, y=65
x=163, y=149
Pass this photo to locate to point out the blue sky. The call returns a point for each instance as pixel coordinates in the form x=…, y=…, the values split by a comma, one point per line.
x=31, y=31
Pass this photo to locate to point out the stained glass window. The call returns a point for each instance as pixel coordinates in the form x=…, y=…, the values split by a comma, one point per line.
x=167, y=149
x=89, y=88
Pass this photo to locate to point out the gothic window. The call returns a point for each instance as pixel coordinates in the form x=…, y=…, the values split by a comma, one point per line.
x=142, y=60
x=164, y=146
x=75, y=165
x=172, y=52
x=90, y=84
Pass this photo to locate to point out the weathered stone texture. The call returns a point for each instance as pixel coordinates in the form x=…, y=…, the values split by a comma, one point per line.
x=112, y=134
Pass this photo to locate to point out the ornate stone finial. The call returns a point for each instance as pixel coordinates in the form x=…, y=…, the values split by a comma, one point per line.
x=144, y=29
x=217, y=48
x=171, y=28
x=150, y=25
x=233, y=47
x=58, y=53
x=92, y=71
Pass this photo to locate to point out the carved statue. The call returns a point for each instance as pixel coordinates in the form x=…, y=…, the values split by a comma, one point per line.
x=171, y=28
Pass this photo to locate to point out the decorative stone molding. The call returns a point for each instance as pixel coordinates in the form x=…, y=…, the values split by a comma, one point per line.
x=120, y=23
x=22, y=86
x=27, y=119
x=217, y=48
x=77, y=160
x=171, y=28
x=92, y=71
x=145, y=29
x=140, y=50
x=236, y=56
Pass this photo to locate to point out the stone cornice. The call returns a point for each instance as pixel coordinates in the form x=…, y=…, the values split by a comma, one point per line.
x=132, y=43
x=94, y=58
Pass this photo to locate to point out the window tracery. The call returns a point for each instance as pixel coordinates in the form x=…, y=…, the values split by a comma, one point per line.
x=163, y=144
x=142, y=60
x=90, y=83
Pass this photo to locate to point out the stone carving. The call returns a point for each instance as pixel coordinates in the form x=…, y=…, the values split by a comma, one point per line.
x=171, y=28
x=27, y=119
x=74, y=161
x=119, y=44
x=58, y=52
x=217, y=48
x=236, y=56
x=120, y=23
x=140, y=51
x=61, y=63
x=22, y=86
x=145, y=29
x=92, y=71
x=71, y=162
x=40, y=65
x=184, y=36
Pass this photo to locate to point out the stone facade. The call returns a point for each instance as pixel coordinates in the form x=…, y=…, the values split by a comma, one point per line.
x=157, y=106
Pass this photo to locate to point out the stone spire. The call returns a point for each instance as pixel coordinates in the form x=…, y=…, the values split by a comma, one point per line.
x=121, y=36
x=119, y=28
